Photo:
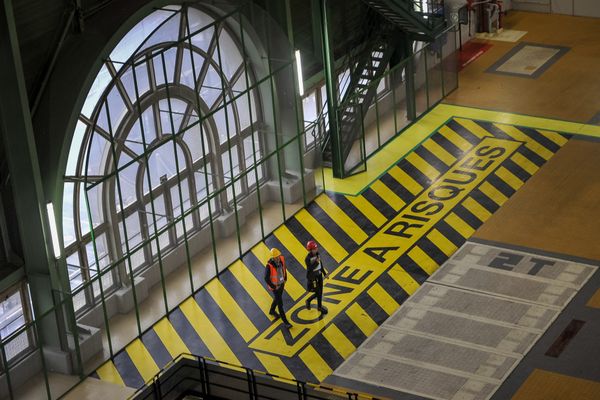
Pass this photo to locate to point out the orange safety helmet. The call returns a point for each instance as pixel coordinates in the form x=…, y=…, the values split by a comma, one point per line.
x=311, y=245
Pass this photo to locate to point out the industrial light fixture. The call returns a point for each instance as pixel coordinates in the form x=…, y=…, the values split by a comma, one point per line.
x=53, y=230
x=299, y=71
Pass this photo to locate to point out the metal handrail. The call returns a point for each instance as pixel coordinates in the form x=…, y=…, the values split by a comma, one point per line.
x=253, y=381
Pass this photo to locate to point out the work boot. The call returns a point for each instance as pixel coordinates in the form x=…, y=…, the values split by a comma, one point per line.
x=307, y=302
x=323, y=309
x=275, y=314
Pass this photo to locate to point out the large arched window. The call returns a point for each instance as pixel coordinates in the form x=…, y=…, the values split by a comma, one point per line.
x=170, y=120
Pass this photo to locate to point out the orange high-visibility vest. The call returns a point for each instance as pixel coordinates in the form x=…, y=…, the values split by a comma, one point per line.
x=275, y=278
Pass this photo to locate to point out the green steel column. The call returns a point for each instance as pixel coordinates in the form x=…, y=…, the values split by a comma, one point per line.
x=411, y=101
x=17, y=134
x=328, y=64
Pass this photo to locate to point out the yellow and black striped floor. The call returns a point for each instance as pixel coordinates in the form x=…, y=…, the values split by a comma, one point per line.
x=379, y=246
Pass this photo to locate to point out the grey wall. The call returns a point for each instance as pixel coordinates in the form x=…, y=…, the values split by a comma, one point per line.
x=581, y=8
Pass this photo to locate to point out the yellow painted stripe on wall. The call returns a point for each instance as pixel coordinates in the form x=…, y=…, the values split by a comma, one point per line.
x=455, y=138
x=493, y=193
x=291, y=243
x=339, y=341
x=321, y=235
x=255, y=289
x=361, y=318
x=342, y=219
x=525, y=163
x=403, y=279
x=530, y=143
x=315, y=363
x=439, y=152
x=476, y=209
x=387, y=195
x=442, y=242
x=423, y=260
x=554, y=136
x=169, y=337
x=509, y=178
x=459, y=225
x=419, y=163
x=142, y=359
x=292, y=286
x=369, y=211
x=383, y=299
x=231, y=309
x=473, y=127
x=274, y=365
x=109, y=373
x=405, y=180
x=207, y=332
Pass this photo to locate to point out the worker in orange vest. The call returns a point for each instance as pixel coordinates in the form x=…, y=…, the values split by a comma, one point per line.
x=275, y=276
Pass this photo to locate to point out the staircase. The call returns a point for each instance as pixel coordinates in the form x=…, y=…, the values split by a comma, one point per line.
x=423, y=18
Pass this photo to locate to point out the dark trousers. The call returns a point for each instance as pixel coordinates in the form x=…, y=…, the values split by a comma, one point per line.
x=318, y=288
x=278, y=302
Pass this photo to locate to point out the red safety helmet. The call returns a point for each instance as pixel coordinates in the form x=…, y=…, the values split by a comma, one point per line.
x=311, y=245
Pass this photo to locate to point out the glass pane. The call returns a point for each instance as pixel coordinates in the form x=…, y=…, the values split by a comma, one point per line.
x=162, y=165
x=132, y=40
x=192, y=140
x=98, y=155
x=196, y=21
x=243, y=109
x=170, y=58
x=344, y=82
x=174, y=114
x=222, y=123
x=211, y=87
x=165, y=33
x=127, y=182
x=94, y=200
x=190, y=71
x=75, y=148
x=74, y=271
x=68, y=218
x=231, y=58
x=11, y=314
x=100, y=83
x=141, y=78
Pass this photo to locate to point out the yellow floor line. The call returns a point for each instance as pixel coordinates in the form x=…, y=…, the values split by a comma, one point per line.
x=476, y=209
x=169, y=337
x=383, y=299
x=292, y=286
x=405, y=180
x=274, y=365
x=439, y=152
x=442, y=242
x=426, y=169
x=403, y=279
x=321, y=235
x=108, y=372
x=339, y=341
x=459, y=225
x=142, y=360
x=554, y=136
x=493, y=193
x=368, y=210
x=423, y=260
x=231, y=309
x=387, y=195
x=255, y=289
x=207, y=332
x=342, y=219
x=509, y=178
x=362, y=319
x=529, y=142
x=473, y=127
x=455, y=138
x=315, y=363
x=524, y=163
x=291, y=243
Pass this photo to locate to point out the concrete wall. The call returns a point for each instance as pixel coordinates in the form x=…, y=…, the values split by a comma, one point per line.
x=580, y=8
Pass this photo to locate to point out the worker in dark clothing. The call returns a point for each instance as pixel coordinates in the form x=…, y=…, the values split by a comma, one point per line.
x=276, y=276
x=315, y=272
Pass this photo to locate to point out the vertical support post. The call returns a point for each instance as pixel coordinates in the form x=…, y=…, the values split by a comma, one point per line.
x=411, y=106
x=16, y=130
x=328, y=64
